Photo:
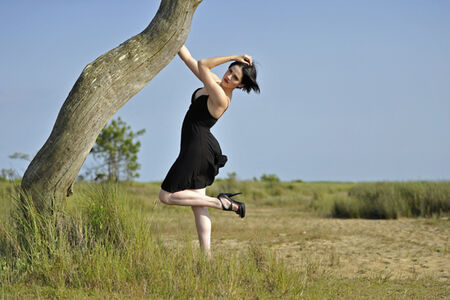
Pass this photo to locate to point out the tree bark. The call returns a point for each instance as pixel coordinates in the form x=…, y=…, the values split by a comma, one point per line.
x=103, y=87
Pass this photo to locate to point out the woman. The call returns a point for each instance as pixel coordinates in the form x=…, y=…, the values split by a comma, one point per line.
x=200, y=156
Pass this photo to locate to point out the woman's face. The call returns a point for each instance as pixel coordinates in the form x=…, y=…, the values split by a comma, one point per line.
x=232, y=77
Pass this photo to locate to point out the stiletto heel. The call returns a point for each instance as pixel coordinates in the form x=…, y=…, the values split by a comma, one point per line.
x=241, y=206
x=231, y=194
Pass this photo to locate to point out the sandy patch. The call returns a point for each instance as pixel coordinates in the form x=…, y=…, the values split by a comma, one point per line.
x=388, y=248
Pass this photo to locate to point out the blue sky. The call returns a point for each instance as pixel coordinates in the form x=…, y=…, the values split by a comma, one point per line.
x=350, y=90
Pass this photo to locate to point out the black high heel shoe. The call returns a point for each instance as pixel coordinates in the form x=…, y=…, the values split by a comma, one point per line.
x=241, y=206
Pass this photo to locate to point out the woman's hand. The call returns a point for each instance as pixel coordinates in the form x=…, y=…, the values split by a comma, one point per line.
x=217, y=96
x=244, y=58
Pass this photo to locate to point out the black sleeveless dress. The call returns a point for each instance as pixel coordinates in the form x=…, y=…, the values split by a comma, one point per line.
x=200, y=155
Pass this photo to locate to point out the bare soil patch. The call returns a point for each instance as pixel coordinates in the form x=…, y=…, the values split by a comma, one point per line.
x=389, y=249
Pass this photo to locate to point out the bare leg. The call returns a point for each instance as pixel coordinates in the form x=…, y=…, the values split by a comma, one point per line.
x=199, y=202
x=203, y=225
x=192, y=198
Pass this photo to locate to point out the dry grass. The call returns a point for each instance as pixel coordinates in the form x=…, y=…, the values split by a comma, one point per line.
x=331, y=258
x=396, y=249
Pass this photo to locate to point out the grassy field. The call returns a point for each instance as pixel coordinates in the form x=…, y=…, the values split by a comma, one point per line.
x=119, y=241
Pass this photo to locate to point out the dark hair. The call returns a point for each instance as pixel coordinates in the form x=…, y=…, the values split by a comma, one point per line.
x=248, y=76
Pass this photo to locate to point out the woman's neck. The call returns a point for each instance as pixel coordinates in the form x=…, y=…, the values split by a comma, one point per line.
x=228, y=91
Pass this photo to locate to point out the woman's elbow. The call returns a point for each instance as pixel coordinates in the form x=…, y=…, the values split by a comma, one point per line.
x=201, y=63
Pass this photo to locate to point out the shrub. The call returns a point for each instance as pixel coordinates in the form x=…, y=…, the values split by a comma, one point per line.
x=390, y=200
x=270, y=178
x=345, y=208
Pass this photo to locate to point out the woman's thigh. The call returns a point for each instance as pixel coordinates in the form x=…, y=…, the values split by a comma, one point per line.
x=164, y=196
x=199, y=191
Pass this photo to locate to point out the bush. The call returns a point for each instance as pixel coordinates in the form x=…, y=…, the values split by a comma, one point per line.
x=345, y=208
x=270, y=178
x=391, y=200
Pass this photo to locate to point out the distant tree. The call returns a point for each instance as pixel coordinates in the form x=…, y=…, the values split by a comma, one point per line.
x=8, y=174
x=232, y=176
x=116, y=148
x=19, y=155
x=11, y=173
x=270, y=178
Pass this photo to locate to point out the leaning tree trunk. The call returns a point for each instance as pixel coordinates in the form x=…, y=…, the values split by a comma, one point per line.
x=103, y=87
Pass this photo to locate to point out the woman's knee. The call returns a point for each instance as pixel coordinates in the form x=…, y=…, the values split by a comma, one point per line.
x=201, y=210
x=164, y=197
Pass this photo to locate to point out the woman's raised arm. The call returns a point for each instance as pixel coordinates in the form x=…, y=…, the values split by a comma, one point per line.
x=216, y=93
x=191, y=62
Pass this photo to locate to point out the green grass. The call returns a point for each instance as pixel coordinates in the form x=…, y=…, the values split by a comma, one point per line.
x=391, y=200
x=376, y=200
x=107, y=245
x=313, y=197
x=118, y=241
